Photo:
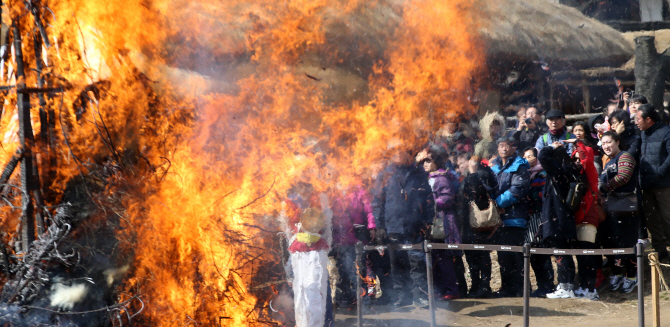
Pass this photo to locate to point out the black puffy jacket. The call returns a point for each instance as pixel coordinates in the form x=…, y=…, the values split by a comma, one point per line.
x=631, y=140
x=654, y=157
x=558, y=221
x=403, y=201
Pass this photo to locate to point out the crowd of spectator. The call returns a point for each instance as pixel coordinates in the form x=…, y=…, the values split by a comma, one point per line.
x=600, y=183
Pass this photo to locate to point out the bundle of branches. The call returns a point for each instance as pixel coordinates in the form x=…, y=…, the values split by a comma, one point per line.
x=69, y=274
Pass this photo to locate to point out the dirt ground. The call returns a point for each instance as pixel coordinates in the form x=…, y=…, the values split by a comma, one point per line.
x=612, y=310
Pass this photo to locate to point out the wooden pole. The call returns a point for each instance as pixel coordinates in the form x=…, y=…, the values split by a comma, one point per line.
x=586, y=94
x=655, y=290
x=27, y=141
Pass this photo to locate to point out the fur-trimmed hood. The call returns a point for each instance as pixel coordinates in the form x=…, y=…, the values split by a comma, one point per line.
x=485, y=125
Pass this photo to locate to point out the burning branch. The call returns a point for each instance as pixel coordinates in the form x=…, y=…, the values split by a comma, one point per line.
x=260, y=197
x=35, y=10
x=31, y=271
x=9, y=168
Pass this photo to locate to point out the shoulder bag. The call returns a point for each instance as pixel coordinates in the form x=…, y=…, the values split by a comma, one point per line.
x=437, y=230
x=484, y=220
x=622, y=202
x=575, y=195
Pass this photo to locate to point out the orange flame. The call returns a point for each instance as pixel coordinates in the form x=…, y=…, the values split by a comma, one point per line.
x=215, y=110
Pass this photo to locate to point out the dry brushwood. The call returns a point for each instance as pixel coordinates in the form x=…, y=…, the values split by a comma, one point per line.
x=9, y=168
x=30, y=273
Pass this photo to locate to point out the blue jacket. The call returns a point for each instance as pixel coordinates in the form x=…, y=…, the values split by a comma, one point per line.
x=547, y=139
x=513, y=184
x=655, y=157
x=403, y=201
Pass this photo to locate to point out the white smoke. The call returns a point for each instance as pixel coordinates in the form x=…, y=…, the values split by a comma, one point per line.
x=65, y=297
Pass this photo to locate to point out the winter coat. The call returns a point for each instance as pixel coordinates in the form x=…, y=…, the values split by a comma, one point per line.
x=557, y=220
x=445, y=189
x=547, y=139
x=351, y=210
x=403, y=201
x=487, y=147
x=478, y=187
x=630, y=141
x=526, y=138
x=587, y=214
x=513, y=182
x=537, y=180
x=655, y=157
x=620, y=174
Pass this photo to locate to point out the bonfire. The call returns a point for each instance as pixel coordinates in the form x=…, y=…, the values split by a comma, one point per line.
x=147, y=146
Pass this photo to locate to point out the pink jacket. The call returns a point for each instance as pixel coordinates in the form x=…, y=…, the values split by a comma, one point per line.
x=352, y=208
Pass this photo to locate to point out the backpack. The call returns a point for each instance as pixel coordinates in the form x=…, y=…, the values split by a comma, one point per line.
x=545, y=138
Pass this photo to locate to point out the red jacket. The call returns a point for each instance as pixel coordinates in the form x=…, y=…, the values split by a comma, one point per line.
x=587, y=213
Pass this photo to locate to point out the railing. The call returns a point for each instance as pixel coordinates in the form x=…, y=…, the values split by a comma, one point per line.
x=527, y=251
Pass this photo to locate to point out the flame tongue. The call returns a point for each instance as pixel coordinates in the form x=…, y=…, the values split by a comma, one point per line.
x=215, y=110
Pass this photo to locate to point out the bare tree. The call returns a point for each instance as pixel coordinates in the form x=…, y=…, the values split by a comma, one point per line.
x=651, y=70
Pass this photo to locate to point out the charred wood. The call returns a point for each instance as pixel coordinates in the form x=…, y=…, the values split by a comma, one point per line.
x=6, y=268
x=44, y=250
x=46, y=131
x=9, y=168
x=37, y=193
x=35, y=10
x=27, y=141
x=80, y=105
x=39, y=65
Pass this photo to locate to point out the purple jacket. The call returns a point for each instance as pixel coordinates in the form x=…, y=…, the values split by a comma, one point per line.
x=349, y=210
x=444, y=187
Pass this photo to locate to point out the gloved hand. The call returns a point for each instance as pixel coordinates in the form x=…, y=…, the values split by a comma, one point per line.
x=380, y=236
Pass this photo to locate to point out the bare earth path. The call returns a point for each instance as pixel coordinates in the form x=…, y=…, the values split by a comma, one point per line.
x=613, y=310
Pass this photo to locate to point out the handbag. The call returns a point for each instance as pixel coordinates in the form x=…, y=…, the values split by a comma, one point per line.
x=532, y=233
x=484, y=220
x=624, y=202
x=575, y=196
x=437, y=230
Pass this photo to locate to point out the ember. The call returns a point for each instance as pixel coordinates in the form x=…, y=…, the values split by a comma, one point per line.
x=168, y=134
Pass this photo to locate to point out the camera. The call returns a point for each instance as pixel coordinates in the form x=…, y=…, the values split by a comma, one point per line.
x=529, y=120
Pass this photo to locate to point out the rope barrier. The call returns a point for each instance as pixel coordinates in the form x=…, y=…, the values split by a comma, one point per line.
x=527, y=251
x=502, y=248
x=653, y=261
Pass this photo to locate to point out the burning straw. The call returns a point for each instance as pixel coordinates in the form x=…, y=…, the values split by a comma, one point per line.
x=169, y=132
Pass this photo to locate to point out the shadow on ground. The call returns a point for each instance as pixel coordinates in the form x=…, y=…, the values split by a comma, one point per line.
x=384, y=323
x=513, y=310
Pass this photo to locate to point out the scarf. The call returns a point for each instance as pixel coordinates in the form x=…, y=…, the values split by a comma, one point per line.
x=557, y=132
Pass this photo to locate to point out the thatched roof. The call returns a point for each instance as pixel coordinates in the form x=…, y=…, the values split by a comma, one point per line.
x=626, y=70
x=550, y=32
x=513, y=30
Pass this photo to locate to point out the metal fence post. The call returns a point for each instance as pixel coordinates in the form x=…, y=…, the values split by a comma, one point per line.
x=429, y=275
x=359, y=299
x=526, y=285
x=639, y=251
